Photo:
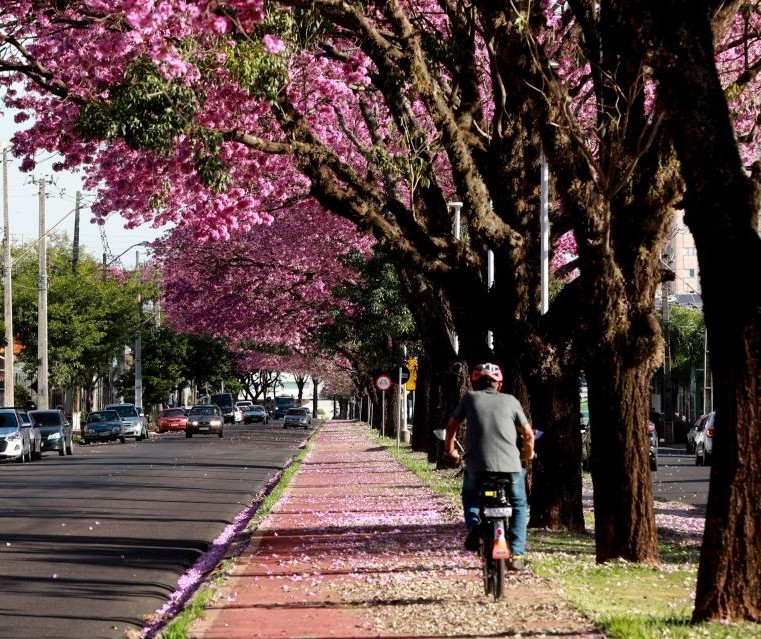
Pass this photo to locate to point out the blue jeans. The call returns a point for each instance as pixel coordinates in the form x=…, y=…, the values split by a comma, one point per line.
x=516, y=494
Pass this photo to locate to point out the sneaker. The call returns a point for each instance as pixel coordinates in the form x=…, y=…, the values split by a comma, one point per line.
x=472, y=539
x=516, y=562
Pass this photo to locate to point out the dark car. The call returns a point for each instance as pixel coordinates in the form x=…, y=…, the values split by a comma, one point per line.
x=103, y=425
x=298, y=418
x=205, y=419
x=255, y=414
x=55, y=429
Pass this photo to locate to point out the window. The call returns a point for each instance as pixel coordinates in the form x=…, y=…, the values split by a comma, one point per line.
x=690, y=251
x=689, y=272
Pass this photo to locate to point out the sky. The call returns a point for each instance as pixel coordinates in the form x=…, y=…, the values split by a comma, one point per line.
x=24, y=209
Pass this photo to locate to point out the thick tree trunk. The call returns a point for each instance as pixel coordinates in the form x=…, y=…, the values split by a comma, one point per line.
x=721, y=210
x=623, y=499
x=556, y=473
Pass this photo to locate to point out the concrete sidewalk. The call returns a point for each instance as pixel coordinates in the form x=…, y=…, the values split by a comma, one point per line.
x=359, y=547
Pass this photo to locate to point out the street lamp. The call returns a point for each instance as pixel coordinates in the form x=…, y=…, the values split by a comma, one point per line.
x=118, y=257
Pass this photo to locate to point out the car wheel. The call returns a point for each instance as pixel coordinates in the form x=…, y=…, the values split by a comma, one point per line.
x=62, y=451
x=122, y=439
x=188, y=434
x=70, y=448
x=699, y=458
x=284, y=426
x=221, y=434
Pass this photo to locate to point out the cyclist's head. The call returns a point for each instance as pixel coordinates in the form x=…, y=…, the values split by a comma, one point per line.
x=484, y=374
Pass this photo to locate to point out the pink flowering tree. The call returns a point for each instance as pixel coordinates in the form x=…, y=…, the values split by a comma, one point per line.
x=217, y=114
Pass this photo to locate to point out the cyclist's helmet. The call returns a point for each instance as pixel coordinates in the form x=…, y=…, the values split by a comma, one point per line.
x=491, y=371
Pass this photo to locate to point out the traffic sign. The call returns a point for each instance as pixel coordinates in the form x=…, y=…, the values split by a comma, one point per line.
x=383, y=383
x=412, y=367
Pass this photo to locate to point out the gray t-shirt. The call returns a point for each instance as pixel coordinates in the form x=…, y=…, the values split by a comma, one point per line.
x=492, y=431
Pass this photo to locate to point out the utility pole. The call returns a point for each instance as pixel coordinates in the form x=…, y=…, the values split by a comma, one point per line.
x=8, y=383
x=75, y=249
x=139, y=340
x=42, y=306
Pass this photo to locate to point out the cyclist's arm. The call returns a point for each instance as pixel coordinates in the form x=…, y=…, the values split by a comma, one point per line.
x=526, y=435
x=449, y=446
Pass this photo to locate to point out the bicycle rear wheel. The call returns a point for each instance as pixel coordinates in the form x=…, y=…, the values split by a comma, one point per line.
x=498, y=579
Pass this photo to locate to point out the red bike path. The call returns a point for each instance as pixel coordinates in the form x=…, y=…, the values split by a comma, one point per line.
x=357, y=546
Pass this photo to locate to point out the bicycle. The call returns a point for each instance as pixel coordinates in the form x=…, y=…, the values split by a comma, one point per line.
x=493, y=547
x=495, y=512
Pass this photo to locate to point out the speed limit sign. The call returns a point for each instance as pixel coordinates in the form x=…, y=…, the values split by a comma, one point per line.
x=383, y=383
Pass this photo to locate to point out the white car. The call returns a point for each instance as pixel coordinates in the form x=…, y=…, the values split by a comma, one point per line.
x=15, y=441
x=704, y=441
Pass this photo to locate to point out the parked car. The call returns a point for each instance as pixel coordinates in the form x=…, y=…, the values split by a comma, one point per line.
x=586, y=446
x=691, y=434
x=134, y=424
x=172, y=419
x=103, y=426
x=15, y=438
x=298, y=417
x=652, y=436
x=205, y=419
x=35, y=437
x=255, y=414
x=55, y=429
x=704, y=441
x=243, y=404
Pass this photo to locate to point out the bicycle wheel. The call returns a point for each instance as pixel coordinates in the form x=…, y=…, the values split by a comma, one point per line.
x=487, y=564
x=499, y=578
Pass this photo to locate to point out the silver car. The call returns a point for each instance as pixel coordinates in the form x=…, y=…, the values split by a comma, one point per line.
x=15, y=441
x=297, y=418
x=205, y=419
x=134, y=425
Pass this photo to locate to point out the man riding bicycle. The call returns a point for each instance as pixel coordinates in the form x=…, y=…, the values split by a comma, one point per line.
x=498, y=439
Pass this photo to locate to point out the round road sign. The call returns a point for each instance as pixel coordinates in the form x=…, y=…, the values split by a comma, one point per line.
x=383, y=382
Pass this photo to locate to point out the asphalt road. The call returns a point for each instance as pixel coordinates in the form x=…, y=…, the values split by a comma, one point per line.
x=678, y=479
x=92, y=545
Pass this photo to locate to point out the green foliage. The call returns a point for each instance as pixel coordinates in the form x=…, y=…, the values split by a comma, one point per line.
x=147, y=110
x=686, y=340
x=260, y=73
x=382, y=322
x=90, y=317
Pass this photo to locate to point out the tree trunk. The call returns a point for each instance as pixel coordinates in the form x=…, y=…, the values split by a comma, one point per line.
x=556, y=473
x=623, y=499
x=721, y=210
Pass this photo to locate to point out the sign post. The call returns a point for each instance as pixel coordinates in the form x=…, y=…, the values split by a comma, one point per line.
x=383, y=383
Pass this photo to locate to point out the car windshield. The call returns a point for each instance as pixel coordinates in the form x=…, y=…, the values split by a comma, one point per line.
x=296, y=411
x=203, y=410
x=25, y=418
x=8, y=419
x=126, y=411
x=103, y=416
x=256, y=409
x=47, y=418
x=173, y=412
